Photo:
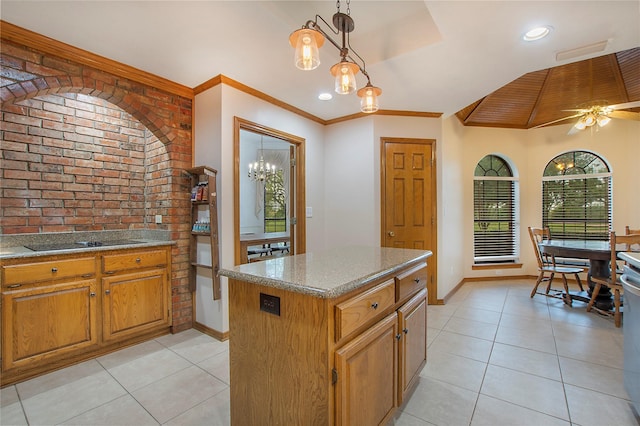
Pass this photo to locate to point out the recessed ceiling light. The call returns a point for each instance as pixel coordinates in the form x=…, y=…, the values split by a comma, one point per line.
x=537, y=33
x=325, y=96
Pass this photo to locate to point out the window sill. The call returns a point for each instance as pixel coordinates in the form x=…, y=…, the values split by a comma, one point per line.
x=496, y=266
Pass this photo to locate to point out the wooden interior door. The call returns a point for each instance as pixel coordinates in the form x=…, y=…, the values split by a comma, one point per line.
x=408, y=198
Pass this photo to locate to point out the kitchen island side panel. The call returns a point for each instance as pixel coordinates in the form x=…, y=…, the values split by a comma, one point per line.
x=276, y=359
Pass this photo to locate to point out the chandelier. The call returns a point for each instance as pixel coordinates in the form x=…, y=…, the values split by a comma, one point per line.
x=259, y=171
x=306, y=42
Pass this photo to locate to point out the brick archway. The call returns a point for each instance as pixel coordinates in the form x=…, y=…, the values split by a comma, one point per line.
x=29, y=72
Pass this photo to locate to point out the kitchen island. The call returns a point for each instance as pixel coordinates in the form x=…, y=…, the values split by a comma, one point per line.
x=336, y=337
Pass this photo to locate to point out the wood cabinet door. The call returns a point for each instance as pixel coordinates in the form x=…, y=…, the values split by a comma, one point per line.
x=367, y=375
x=412, y=318
x=134, y=302
x=40, y=323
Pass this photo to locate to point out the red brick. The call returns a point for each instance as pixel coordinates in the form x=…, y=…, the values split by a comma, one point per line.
x=21, y=174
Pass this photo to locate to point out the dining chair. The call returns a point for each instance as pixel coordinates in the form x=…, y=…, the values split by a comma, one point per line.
x=619, y=243
x=547, y=265
x=629, y=231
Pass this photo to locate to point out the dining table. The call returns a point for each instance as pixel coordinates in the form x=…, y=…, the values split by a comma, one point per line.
x=259, y=239
x=598, y=253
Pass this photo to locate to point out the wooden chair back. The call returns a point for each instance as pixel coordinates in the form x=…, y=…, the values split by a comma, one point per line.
x=629, y=231
x=619, y=243
x=539, y=235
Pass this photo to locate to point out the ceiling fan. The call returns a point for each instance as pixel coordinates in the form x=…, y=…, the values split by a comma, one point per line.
x=598, y=113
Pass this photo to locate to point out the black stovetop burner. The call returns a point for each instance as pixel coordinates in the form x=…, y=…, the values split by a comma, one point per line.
x=79, y=244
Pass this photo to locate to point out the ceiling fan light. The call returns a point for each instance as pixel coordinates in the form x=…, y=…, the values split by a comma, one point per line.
x=369, y=98
x=345, y=75
x=581, y=124
x=603, y=120
x=306, y=42
x=589, y=120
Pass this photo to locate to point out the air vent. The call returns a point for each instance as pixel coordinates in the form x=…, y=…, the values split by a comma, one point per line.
x=581, y=51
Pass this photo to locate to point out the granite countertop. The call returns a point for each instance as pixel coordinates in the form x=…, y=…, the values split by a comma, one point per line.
x=17, y=246
x=330, y=273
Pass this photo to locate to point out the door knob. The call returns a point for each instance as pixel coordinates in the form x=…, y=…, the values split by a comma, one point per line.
x=391, y=234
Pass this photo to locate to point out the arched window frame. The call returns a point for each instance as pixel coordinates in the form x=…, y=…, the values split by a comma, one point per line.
x=584, y=179
x=496, y=226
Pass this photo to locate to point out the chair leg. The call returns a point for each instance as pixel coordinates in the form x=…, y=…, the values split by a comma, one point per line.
x=617, y=316
x=566, y=297
x=550, y=281
x=535, y=287
x=579, y=282
x=596, y=290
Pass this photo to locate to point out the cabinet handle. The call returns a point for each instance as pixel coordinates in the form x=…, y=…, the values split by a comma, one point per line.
x=109, y=272
x=54, y=270
x=375, y=305
x=92, y=294
x=138, y=260
x=14, y=286
x=398, y=336
x=406, y=330
x=417, y=280
x=107, y=292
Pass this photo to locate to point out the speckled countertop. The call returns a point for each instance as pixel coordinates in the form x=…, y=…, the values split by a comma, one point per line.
x=13, y=246
x=330, y=273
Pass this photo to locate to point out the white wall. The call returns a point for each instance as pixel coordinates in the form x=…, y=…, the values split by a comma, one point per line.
x=530, y=151
x=215, y=110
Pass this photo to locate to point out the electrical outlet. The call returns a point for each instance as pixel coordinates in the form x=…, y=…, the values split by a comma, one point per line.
x=158, y=219
x=270, y=304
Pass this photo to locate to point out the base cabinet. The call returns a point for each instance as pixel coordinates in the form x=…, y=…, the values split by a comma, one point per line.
x=58, y=310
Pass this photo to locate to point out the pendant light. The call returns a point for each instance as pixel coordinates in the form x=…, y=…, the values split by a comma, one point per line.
x=307, y=42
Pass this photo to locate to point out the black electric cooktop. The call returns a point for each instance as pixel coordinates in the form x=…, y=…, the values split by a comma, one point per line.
x=79, y=244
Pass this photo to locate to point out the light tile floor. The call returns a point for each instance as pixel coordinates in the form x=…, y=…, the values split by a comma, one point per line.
x=496, y=357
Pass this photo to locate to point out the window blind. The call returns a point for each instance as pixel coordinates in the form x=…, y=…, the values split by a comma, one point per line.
x=577, y=207
x=494, y=226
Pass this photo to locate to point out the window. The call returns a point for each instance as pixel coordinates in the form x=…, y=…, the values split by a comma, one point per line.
x=576, y=197
x=494, y=215
x=275, y=204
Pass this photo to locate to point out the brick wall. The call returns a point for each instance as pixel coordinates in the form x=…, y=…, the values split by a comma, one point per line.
x=84, y=149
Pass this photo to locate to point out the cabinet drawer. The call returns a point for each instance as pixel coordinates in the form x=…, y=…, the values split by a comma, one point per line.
x=410, y=282
x=354, y=312
x=136, y=260
x=50, y=270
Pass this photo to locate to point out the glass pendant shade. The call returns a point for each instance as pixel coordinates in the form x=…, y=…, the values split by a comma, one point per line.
x=589, y=120
x=306, y=42
x=345, y=75
x=581, y=125
x=369, y=98
x=603, y=120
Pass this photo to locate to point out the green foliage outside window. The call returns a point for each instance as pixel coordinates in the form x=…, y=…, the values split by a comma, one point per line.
x=275, y=204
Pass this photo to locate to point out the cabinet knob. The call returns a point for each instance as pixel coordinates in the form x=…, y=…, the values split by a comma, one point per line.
x=107, y=292
x=92, y=294
x=417, y=280
x=375, y=305
x=391, y=234
x=138, y=260
x=398, y=336
x=54, y=270
x=406, y=330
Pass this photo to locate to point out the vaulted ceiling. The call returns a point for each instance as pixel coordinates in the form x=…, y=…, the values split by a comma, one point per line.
x=544, y=96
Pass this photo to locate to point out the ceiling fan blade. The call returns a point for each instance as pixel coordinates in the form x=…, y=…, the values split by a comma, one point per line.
x=626, y=105
x=556, y=121
x=573, y=130
x=625, y=115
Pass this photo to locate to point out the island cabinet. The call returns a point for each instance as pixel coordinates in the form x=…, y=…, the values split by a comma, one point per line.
x=343, y=352
x=59, y=309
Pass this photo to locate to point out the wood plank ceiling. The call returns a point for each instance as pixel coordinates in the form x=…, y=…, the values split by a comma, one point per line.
x=543, y=96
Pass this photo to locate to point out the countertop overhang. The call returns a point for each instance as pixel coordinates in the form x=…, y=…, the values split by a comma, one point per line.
x=330, y=273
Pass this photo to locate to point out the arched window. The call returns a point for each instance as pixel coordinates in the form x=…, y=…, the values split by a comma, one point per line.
x=576, y=197
x=494, y=212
